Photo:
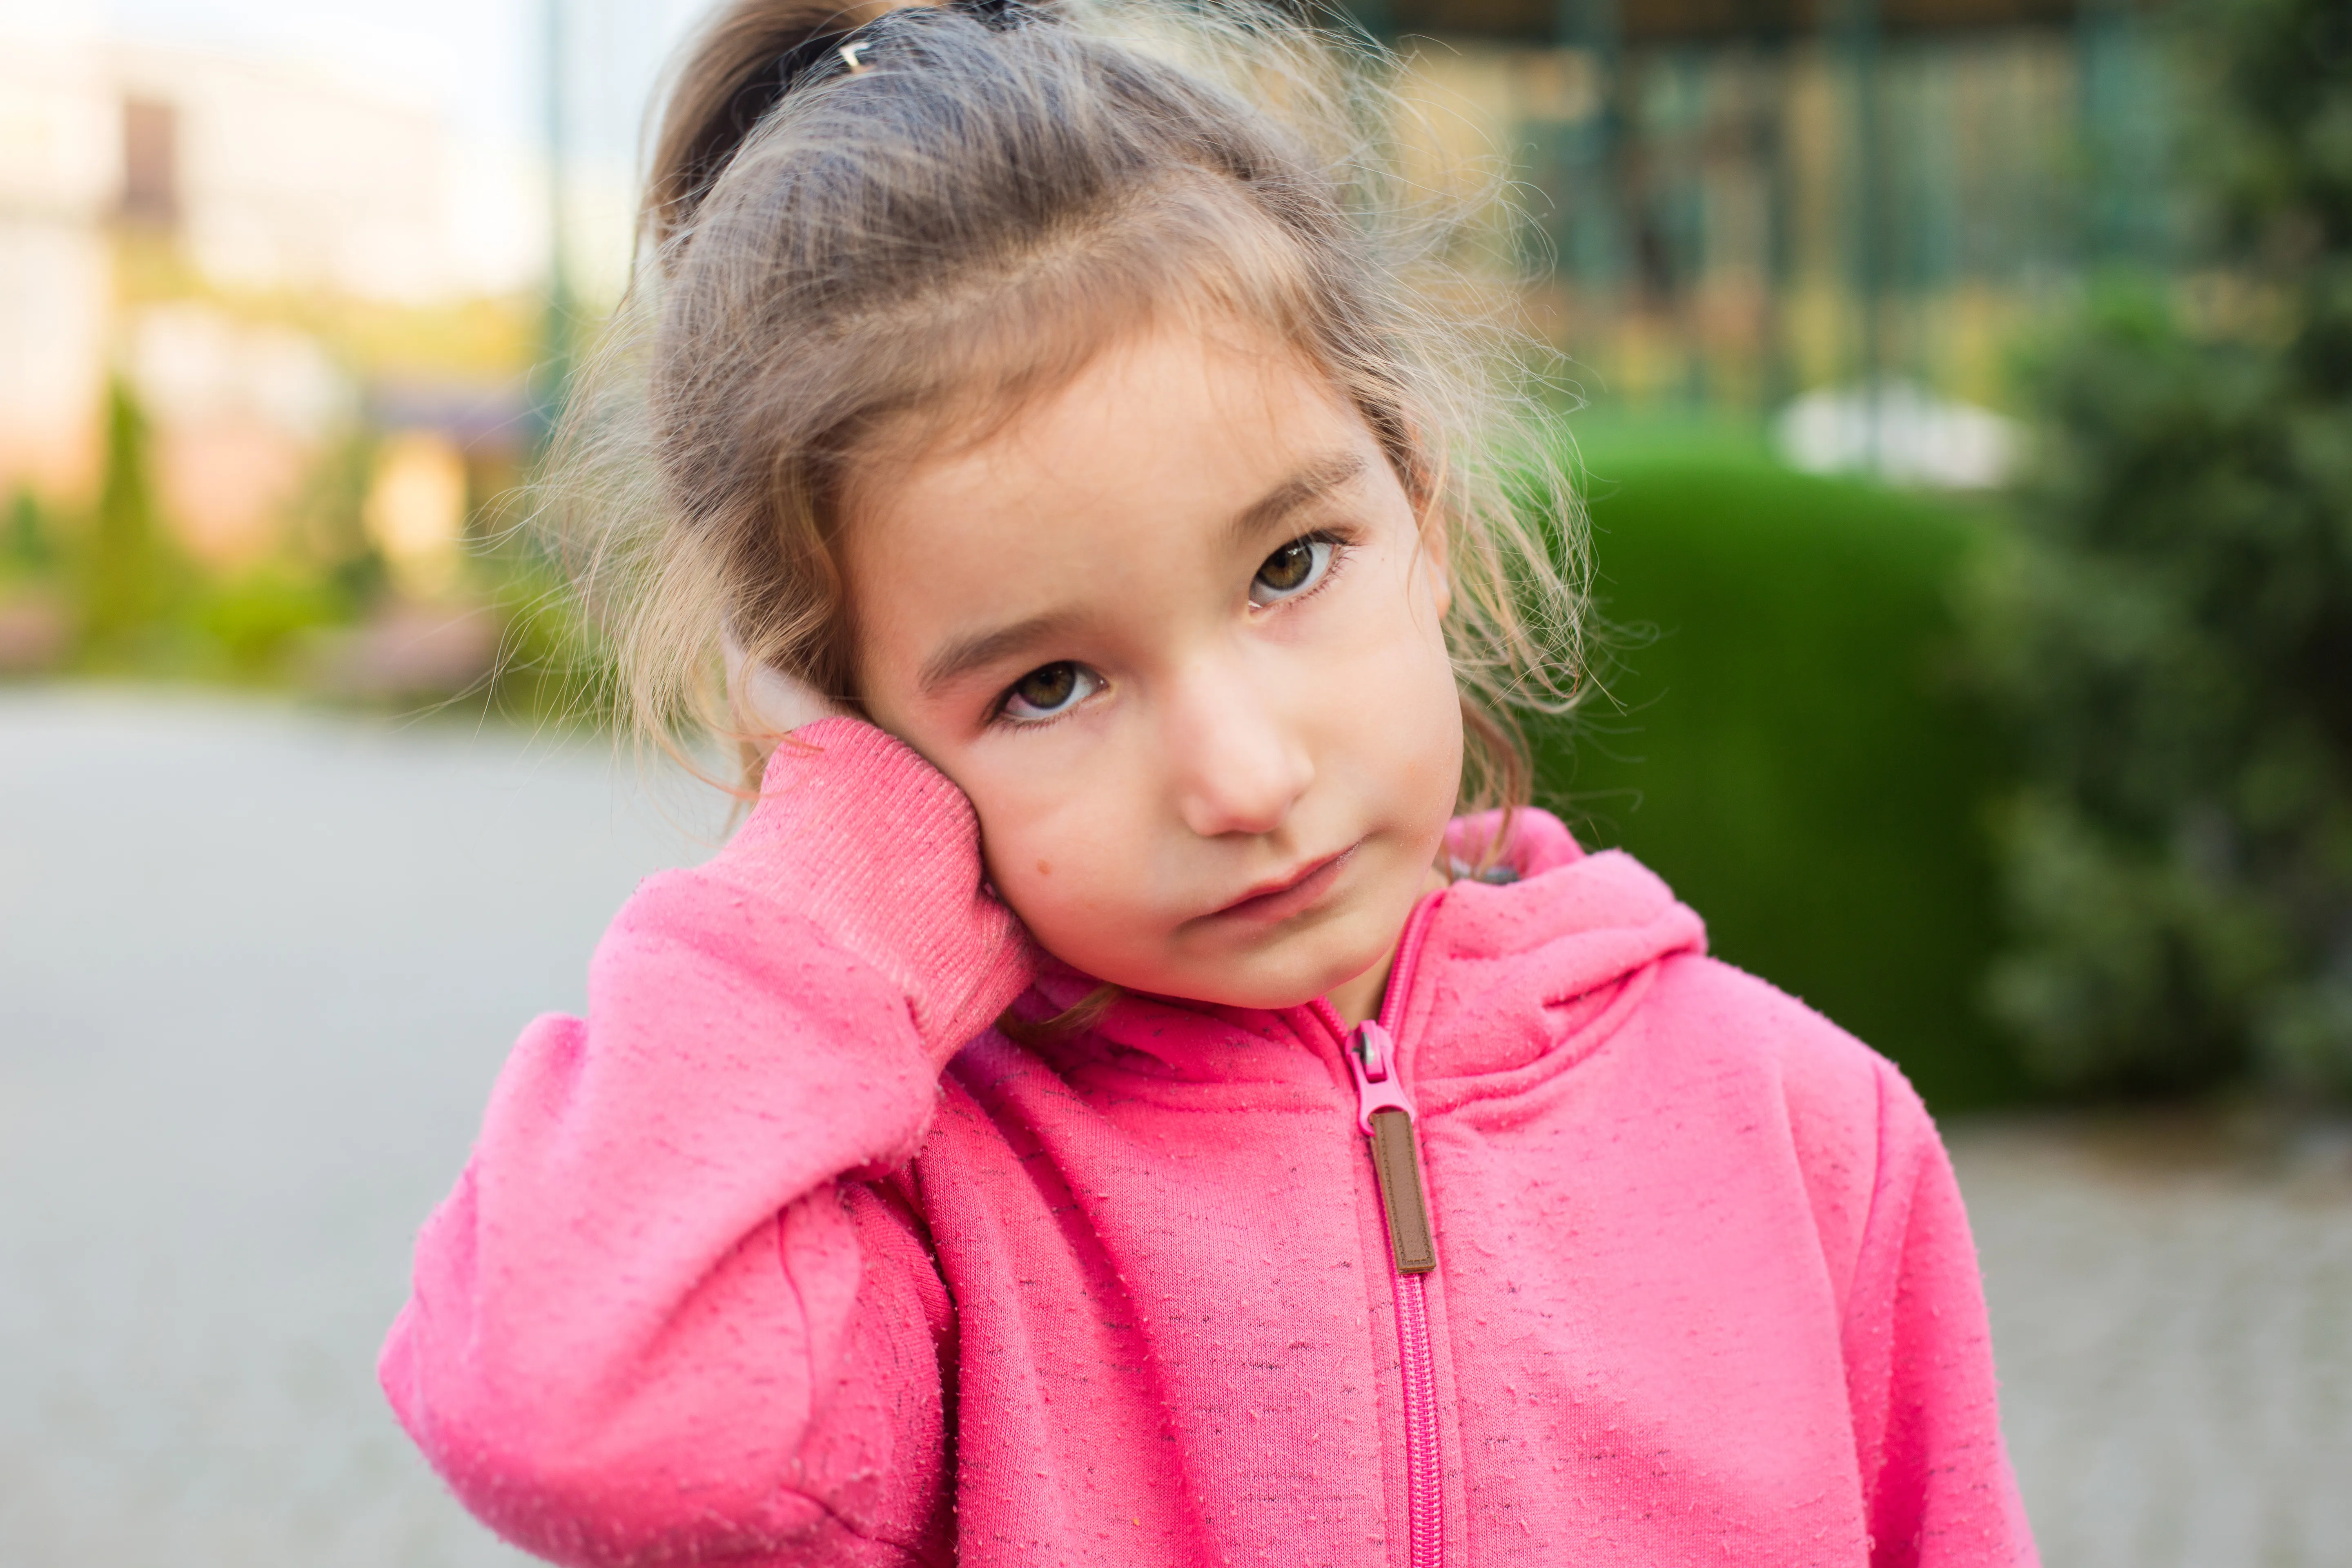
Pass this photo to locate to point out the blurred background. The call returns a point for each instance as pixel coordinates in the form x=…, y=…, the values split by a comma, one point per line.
x=1963, y=394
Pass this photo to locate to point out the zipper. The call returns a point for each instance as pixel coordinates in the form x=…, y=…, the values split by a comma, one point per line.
x=1385, y=1115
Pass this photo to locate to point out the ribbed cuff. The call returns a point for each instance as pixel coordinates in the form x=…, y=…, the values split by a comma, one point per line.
x=877, y=849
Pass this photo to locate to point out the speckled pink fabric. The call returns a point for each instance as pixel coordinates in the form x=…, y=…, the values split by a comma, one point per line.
x=783, y=1255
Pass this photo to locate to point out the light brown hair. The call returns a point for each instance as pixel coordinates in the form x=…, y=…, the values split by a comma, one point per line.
x=960, y=223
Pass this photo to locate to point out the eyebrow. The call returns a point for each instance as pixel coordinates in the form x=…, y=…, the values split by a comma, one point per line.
x=959, y=657
x=966, y=653
x=1312, y=483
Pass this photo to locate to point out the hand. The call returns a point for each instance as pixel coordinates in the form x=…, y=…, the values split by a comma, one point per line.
x=764, y=699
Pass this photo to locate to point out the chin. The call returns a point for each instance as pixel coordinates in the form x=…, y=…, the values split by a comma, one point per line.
x=1281, y=984
x=1279, y=971
x=1240, y=992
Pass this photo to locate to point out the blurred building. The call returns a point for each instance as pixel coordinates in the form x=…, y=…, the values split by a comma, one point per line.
x=248, y=180
x=1725, y=204
x=1735, y=200
x=274, y=175
x=61, y=183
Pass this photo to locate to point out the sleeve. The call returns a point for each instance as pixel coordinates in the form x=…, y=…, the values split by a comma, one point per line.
x=673, y=1311
x=1919, y=1364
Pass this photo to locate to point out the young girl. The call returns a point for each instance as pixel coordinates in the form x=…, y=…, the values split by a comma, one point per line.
x=1098, y=1108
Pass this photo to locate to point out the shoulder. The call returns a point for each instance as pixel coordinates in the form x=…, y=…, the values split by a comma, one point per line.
x=1716, y=1018
x=1770, y=1095
x=1744, y=1025
x=1840, y=1112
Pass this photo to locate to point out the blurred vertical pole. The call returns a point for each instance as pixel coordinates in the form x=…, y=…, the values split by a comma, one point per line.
x=1856, y=25
x=2098, y=26
x=556, y=346
x=1778, y=376
x=1591, y=157
x=2118, y=106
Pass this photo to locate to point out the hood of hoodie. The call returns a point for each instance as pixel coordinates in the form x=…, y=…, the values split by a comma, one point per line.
x=1506, y=972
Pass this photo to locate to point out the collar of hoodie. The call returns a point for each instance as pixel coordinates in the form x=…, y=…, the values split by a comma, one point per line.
x=1514, y=976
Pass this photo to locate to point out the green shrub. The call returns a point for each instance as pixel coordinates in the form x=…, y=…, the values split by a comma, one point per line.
x=1786, y=749
x=2173, y=632
x=254, y=620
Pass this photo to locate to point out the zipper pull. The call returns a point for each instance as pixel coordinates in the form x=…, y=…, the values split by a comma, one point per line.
x=1385, y=1115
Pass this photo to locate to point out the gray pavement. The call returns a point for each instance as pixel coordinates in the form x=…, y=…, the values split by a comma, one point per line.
x=259, y=965
x=2173, y=1321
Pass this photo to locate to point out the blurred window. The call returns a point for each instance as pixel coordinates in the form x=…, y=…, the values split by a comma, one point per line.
x=1699, y=21
x=151, y=163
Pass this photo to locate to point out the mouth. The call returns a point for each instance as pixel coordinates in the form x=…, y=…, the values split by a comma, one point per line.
x=1290, y=893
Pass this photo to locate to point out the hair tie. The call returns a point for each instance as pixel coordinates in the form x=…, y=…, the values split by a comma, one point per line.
x=822, y=55
x=819, y=53
x=828, y=51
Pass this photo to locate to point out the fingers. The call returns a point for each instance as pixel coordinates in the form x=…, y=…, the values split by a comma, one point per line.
x=764, y=699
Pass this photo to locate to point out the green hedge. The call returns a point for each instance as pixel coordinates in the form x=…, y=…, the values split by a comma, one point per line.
x=1784, y=743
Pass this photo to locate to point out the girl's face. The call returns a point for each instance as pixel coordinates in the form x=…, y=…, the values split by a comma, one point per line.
x=1175, y=632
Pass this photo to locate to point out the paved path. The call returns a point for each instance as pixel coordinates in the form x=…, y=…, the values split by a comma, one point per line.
x=2174, y=1326
x=258, y=967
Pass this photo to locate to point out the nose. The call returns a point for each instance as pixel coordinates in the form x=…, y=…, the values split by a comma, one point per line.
x=1236, y=764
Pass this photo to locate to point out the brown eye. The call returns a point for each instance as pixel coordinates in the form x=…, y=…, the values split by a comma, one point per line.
x=1291, y=571
x=1050, y=689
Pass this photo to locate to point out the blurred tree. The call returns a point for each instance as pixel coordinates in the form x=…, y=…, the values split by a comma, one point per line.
x=29, y=549
x=2173, y=630
x=126, y=577
x=328, y=529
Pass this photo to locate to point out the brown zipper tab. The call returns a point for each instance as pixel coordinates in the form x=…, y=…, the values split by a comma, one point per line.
x=1396, y=1159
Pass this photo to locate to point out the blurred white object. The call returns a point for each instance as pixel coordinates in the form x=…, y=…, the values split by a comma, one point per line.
x=1901, y=432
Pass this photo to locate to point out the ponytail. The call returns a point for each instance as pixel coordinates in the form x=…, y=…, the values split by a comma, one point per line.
x=741, y=67
x=744, y=61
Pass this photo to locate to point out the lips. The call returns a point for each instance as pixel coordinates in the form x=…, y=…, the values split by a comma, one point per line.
x=1290, y=893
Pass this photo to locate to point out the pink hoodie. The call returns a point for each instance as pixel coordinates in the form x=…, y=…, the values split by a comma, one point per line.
x=783, y=1255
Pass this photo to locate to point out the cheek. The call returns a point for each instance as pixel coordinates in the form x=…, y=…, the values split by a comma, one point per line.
x=1058, y=838
x=1430, y=748
x=1393, y=691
